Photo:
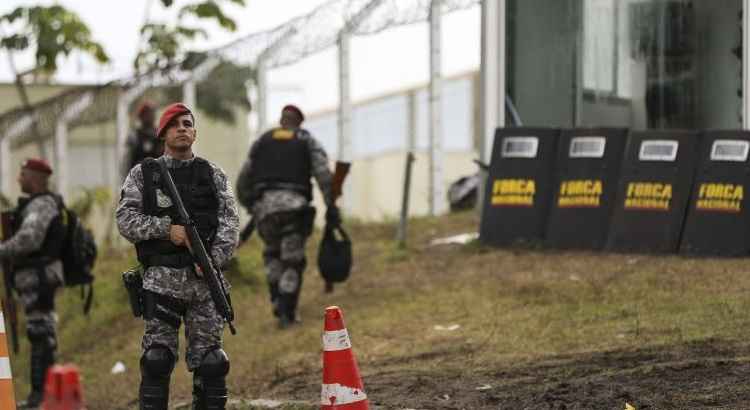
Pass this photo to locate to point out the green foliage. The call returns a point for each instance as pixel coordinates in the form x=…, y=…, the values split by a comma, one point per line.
x=163, y=43
x=209, y=10
x=54, y=31
x=221, y=91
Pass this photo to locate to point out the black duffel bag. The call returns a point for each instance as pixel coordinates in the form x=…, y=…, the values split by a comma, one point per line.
x=335, y=255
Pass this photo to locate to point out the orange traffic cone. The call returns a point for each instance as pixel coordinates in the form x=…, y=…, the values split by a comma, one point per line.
x=62, y=389
x=342, y=386
x=7, y=397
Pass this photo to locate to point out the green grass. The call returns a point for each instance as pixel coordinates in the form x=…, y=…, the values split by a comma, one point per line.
x=512, y=306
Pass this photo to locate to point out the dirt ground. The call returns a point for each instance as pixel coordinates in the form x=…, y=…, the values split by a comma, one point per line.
x=707, y=375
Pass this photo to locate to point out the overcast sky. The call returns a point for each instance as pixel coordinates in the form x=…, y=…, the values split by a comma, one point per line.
x=382, y=63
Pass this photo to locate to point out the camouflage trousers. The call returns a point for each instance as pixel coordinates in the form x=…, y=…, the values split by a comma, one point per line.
x=36, y=293
x=203, y=326
x=284, y=235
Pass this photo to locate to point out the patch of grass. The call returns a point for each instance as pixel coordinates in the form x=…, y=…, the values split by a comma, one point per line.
x=510, y=305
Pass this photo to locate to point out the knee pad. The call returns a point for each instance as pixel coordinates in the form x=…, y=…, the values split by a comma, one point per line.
x=41, y=332
x=215, y=364
x=298, y=263
x=157, y=362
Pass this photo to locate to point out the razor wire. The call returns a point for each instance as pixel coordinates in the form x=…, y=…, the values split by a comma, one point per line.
x=280, y=46
x=320, y=29
x=16, y=123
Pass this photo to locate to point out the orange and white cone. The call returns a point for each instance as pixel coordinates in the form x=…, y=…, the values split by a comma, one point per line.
x=342, y=386
x=7, y=397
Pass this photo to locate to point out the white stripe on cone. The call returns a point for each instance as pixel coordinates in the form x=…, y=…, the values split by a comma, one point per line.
x=336, y=394
x=335, y=340
x=2, y=322
x=5, y=368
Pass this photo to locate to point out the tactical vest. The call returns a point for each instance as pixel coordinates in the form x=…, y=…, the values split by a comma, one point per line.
x=146, y=146
x=280, y=160
x=195, y=184
x=54, y=238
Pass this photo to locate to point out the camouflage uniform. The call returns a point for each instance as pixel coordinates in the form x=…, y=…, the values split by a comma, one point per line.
x=37, y=292
x=141, y=144
x=277, y=214
x=203, y=323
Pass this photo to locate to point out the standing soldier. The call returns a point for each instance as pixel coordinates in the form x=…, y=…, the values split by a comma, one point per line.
x=143, y=143
x=274, y=185
x=173, y=290
x=35, y=250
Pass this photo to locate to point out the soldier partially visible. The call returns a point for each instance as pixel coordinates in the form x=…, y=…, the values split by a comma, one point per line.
x=275, y=186
x=142, y=143
x=173, y=291
x=35, y=250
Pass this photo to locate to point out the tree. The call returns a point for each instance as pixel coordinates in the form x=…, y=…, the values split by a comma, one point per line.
x=221, y=91
x=51, y=31
x=225, y=86
x=163, y=43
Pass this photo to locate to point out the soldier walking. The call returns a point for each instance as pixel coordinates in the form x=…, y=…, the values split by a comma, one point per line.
x=35, y=250
x=173, y=290
x=274, y=185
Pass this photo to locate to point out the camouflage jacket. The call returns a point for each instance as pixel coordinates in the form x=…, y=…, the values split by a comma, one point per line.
x=35, y=220
x=136, y=226
x=284, y=200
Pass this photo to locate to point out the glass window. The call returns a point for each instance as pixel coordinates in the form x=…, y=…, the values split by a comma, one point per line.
x=627, y=63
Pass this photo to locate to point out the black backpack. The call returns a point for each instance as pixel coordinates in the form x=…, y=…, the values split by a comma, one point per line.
x=335, y=255
x=78, y=256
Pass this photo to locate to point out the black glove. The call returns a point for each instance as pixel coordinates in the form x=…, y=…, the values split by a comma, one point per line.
x=333, y=216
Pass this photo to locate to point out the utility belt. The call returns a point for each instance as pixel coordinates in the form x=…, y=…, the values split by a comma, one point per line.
x=260, y=187
x=298, y=220
x=175, y=260
x=151, y=305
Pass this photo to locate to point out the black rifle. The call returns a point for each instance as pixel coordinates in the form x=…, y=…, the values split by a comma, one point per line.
x=9, y=303
x=218, y=293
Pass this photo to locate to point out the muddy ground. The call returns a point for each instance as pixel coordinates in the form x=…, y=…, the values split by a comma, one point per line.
x=707, y=375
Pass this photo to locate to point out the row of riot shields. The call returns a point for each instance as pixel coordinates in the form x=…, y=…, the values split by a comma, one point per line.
x=619, y=190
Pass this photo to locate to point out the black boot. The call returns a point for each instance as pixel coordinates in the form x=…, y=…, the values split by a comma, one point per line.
x=42, y=358
x=154, y=393
x=286, y=316
x=209, y=393
x=156, y=368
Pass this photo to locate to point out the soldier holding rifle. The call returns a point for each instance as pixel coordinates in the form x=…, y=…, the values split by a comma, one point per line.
x=177, y=281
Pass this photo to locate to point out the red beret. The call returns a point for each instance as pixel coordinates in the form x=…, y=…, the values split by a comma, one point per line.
x=294, y=108
x=171, y=112
x=37, y=164
x=145, y=105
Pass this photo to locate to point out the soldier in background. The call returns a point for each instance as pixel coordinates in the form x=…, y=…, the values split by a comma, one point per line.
x=35, y=250
x=142, y=143
x=275, y=186
x=173, y=290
